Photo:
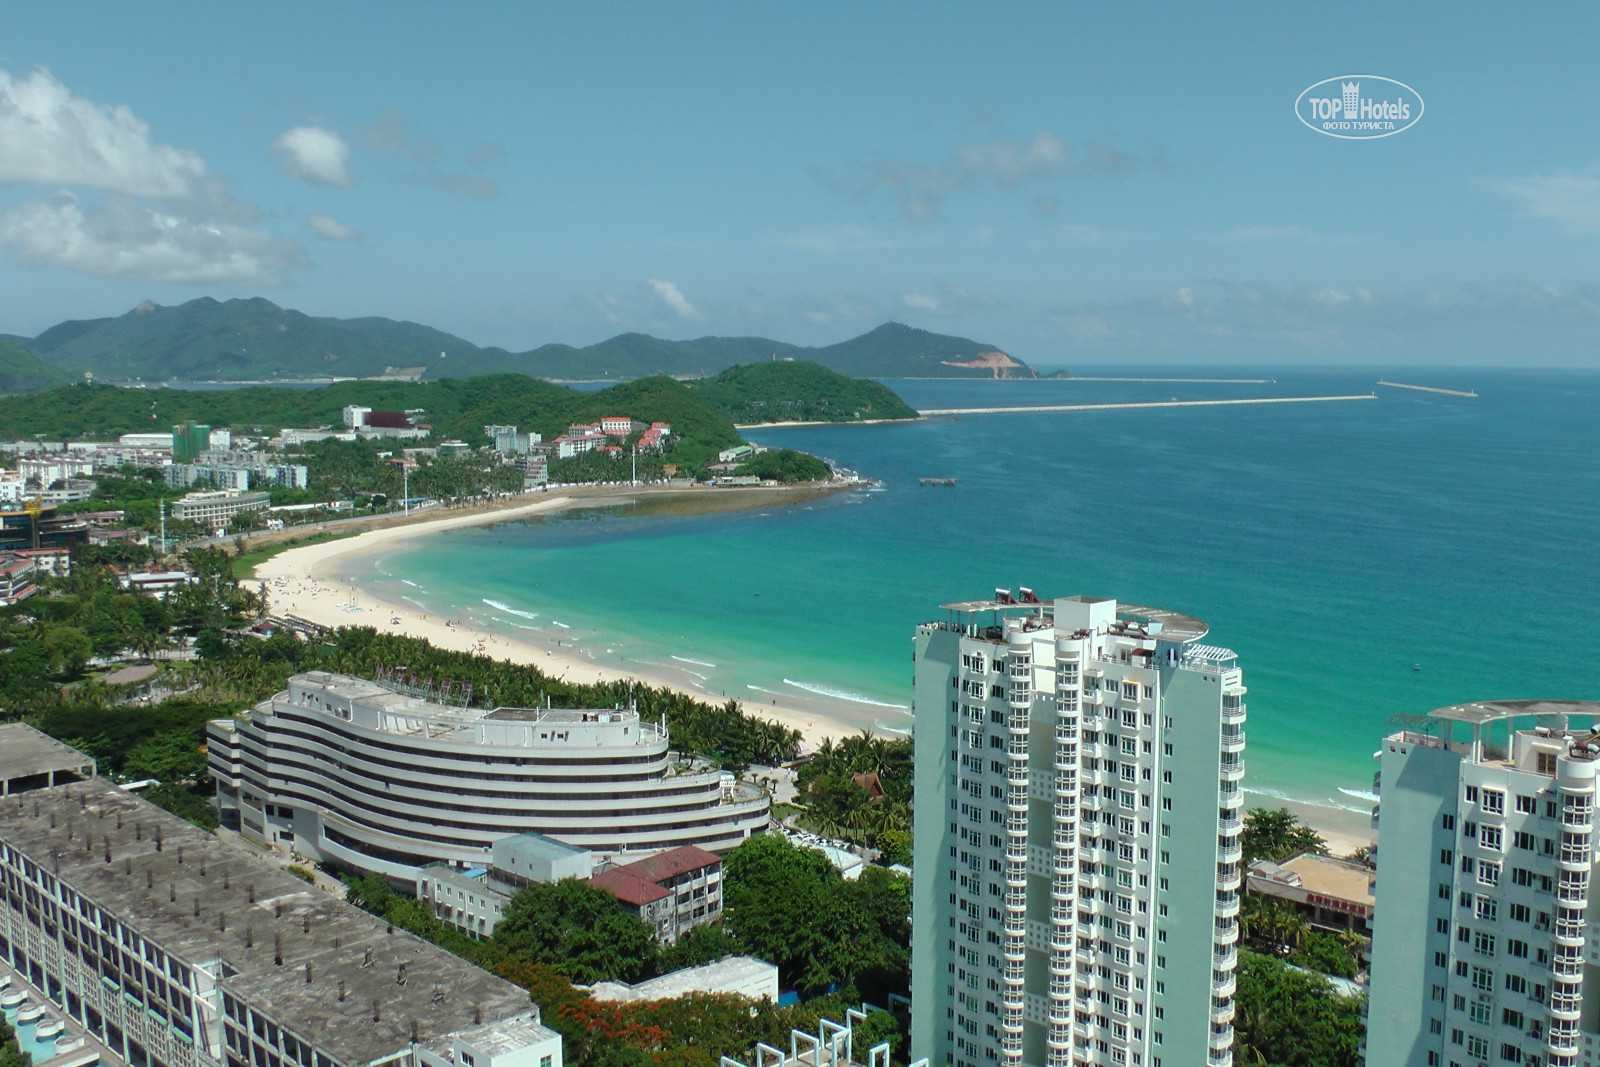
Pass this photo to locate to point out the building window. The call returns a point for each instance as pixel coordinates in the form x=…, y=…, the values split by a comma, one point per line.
x=1494, y=802
x=1526, y=805
x=1483, y=943
x=1490, y=838
x=1483, y=978
x=1488, y=873
x=1487, y=909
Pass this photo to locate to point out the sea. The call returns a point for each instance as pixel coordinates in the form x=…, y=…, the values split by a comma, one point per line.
x=1366, y=559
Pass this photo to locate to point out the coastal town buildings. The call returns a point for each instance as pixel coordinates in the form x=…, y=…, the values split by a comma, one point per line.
x=1077, y=855
x=1482, y=951
x=173, y=948
x=217, y=509
x=671, y=892
x=1332, y=894
x=386, y=778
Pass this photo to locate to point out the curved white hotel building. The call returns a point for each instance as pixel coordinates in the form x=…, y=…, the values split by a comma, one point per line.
x=359, y=774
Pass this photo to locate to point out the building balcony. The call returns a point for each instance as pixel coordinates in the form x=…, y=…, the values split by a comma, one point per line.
x=1577, y=858
x=1227, y=908
x=1060, y=967
x=1017, y=877
x=1231, y=770
x=1233, y=742
x=1225, y=987
x=1566, y=1008
x=1233, y=716
x=1230, y=852
x=1014, y=952
x=1017, y=827
x=1066, y=785
x=1017, y=801
x=1571, y=934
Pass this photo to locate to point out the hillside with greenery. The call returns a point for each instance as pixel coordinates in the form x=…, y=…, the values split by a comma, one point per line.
x=256, y=340
x=22, y=372
x=455, y=408
x=798, y=391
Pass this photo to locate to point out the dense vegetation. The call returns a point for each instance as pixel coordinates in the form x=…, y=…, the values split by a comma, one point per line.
x=798, y=391
x=22, y=372
x=1277, y=835
x=783, y=904
x=836, y=804
x=455, y=408
x=785, y=465
x=254, y=339
x=1288, y=1018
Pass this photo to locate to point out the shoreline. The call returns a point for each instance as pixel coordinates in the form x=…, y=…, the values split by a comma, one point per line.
x=318, y=582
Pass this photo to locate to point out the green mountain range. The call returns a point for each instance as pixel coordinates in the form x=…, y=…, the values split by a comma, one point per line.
x=256, y=340
x=22, y=372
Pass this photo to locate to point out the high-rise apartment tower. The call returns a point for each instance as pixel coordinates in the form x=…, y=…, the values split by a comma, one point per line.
x=1482, y=952
x=1077, y=836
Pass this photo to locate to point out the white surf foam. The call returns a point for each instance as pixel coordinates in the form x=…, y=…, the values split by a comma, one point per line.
x=511, y=610
x=696, y=662
x=1360, y=794
x=835, y=693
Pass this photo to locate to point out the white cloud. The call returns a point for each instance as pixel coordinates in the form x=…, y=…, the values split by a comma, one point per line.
x=331, y=229
x=160, y=213
x=48, y=136
x=922, y=188
x=673, y=298
x=1569, y=200
x=122, y=238
x=458, y=183
x=922, y=302
x=314, y=155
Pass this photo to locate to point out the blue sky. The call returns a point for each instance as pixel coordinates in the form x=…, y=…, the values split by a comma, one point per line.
x=1076, y=184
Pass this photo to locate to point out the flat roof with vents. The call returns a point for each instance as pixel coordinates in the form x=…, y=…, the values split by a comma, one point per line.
x=291, y=948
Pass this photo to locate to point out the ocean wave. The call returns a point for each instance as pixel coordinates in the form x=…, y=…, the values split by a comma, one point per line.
x=509, y=608
x=757, y=688
x=412, y=584
x=563, y=625
x=834, y=693
x=885, y=728
x=1359, y=794
x=413, y=600
x=696, y=662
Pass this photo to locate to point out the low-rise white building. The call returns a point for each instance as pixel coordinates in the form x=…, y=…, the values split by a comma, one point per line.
x=218, y=509
x=743, y=976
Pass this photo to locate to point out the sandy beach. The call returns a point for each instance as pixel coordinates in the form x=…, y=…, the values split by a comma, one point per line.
x=315, y=582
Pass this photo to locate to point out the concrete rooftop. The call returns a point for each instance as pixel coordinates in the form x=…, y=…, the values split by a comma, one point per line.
x=317, y=964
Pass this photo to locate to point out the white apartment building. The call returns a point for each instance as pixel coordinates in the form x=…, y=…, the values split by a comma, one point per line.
x=1482, y=952
x=176, y=949
x=218, y=509
x=1077, y=854
x=379, y=780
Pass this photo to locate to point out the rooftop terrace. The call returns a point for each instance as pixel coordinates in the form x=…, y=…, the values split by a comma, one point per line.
x=342, y=978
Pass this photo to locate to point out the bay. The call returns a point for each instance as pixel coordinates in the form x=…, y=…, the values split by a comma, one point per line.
x=1364, y=558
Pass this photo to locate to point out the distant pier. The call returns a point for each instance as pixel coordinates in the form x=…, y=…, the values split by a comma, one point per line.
x=1208, y=381
x=933, y=412
x=951, y=482
x=1428, y=389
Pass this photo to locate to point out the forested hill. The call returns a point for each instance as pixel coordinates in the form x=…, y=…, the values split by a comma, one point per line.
x=798, y=391
x=455, y=408
x=256, y=340
x=22, y=372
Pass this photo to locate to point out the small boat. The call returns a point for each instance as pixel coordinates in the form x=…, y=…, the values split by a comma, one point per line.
x=68, y=1043
x=30, y=1013
x=12, y=999
x=48, y=1028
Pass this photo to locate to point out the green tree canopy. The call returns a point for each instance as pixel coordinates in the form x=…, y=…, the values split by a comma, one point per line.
x=577, y=929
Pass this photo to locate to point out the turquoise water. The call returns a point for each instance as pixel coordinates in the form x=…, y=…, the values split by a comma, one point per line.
x=1335, y=547
x=40, y=1050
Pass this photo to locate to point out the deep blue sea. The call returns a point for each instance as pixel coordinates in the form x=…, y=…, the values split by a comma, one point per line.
x=1363, y=558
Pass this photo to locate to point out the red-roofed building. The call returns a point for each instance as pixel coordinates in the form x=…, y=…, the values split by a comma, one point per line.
x=616, y=425
x=673, y=891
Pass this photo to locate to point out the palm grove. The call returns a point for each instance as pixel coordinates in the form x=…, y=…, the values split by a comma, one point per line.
x=834, y=941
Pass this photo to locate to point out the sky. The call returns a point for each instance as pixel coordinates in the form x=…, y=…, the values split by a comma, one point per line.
x=1073, y=183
